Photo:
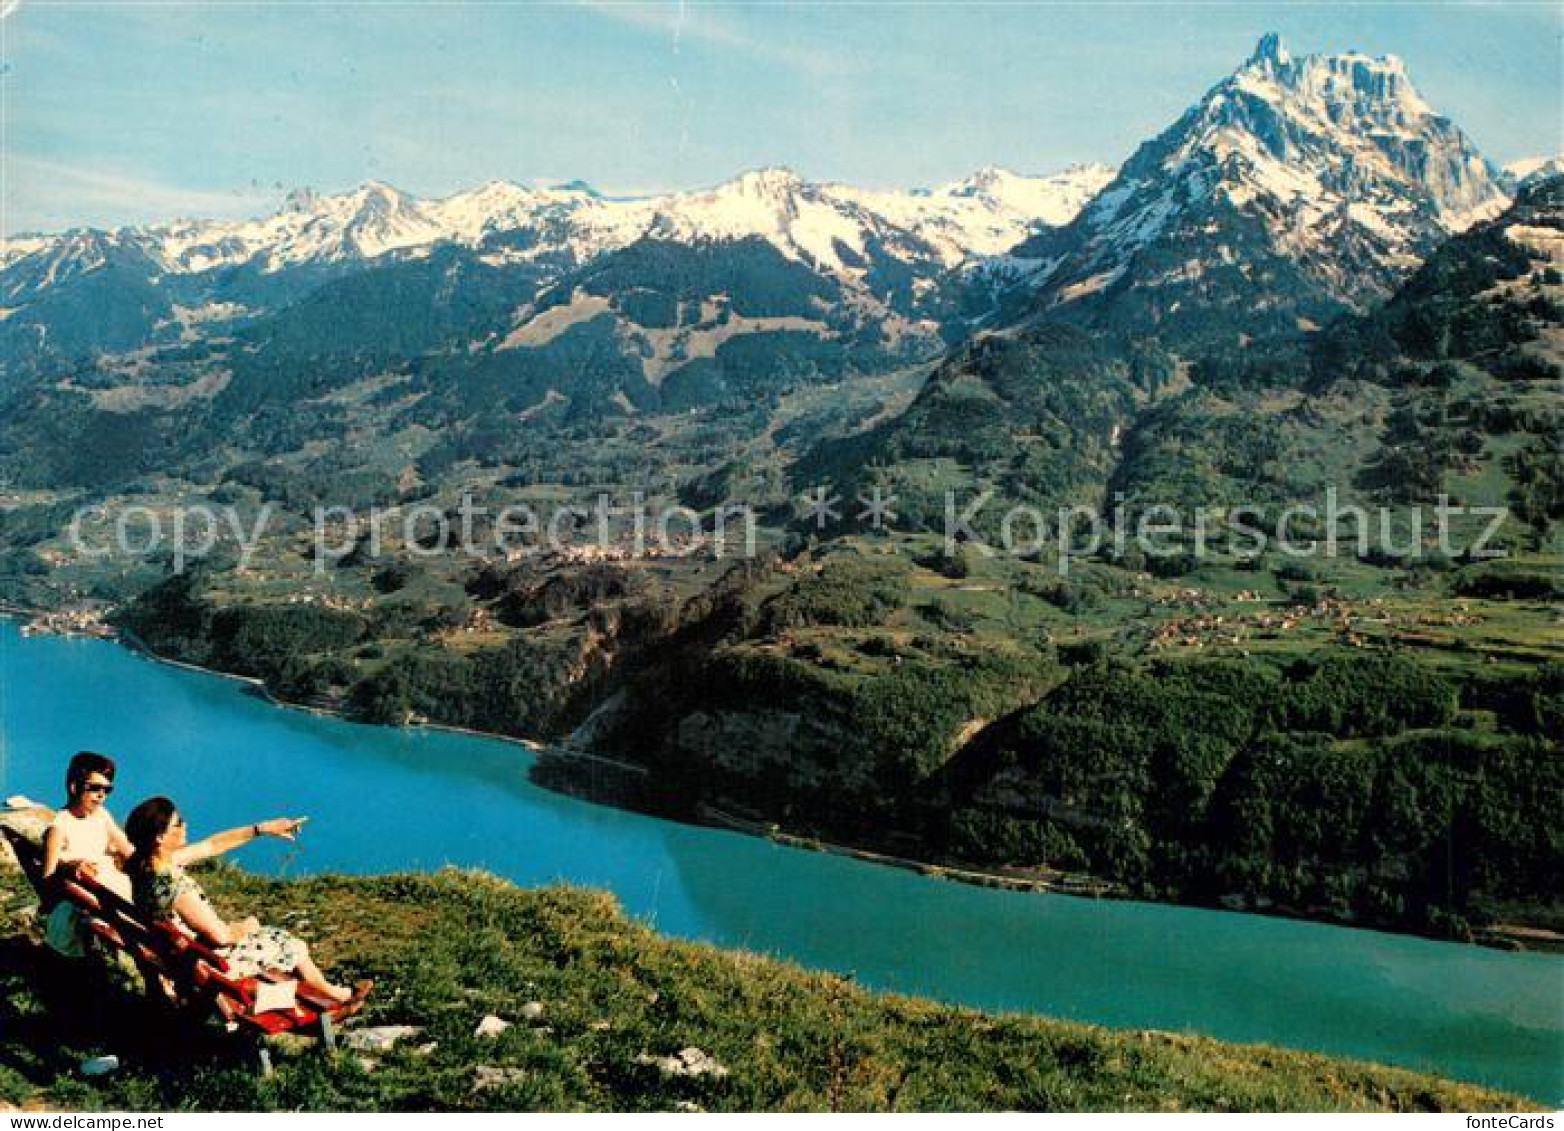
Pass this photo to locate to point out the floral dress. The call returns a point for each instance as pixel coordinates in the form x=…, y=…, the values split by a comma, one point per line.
x=265, y=948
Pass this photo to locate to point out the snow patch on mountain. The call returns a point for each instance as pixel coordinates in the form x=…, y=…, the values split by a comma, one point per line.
x=988, y=213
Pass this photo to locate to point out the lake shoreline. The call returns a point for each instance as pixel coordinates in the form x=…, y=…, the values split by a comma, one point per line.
x=1080, y=886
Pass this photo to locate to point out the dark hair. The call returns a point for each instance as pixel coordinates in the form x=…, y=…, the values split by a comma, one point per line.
x=83, y=763
x=146, y=823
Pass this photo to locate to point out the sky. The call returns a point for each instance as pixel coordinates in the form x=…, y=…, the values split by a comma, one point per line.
x=114, y=113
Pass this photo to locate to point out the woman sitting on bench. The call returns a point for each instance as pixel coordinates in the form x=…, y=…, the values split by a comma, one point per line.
x=164, y=891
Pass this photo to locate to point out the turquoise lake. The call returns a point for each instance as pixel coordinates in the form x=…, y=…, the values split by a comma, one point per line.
x=385, y=800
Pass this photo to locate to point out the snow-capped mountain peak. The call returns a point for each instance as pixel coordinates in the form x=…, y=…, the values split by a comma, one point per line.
x=804, y=221
x=493, y=206
x=1054, y=199
x=1531, y=169
x=770, y=181
x=1377, y=86
x=1336, y=162
x=57, y=261
x=376, y=218
x=990, y=180
x=750, y=203
x=1349, y=91
x=380, y=197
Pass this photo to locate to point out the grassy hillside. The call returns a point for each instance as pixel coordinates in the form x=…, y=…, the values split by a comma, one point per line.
x=449, y=948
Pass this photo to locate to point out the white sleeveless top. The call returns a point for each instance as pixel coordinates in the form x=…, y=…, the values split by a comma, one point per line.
x=87, y=838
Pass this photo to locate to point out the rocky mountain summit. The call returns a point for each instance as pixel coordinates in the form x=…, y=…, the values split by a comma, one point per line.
x=1299, y=186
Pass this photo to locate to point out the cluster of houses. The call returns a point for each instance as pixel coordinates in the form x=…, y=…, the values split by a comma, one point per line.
x=1217, y=629
x=329, y=601
x=1199, y=598
x=75, y=620
x=675, y=546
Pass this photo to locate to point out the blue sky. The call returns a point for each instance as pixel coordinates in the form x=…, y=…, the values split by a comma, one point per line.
x=126, y=112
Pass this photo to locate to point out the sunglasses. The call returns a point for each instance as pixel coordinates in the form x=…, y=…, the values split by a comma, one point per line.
x=102, y=787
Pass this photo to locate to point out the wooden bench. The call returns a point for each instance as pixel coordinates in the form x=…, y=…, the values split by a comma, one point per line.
x=185, y=971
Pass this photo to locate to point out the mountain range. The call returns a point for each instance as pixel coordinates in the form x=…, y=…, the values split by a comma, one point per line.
x=984, y=214
x=1297, y=190
x=87, y=294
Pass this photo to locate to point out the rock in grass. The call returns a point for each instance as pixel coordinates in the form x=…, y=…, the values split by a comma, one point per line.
x=486, y=1077
x=532, y=1011
x=491, y=1026
x=378, y=1038
x=688, y=1062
